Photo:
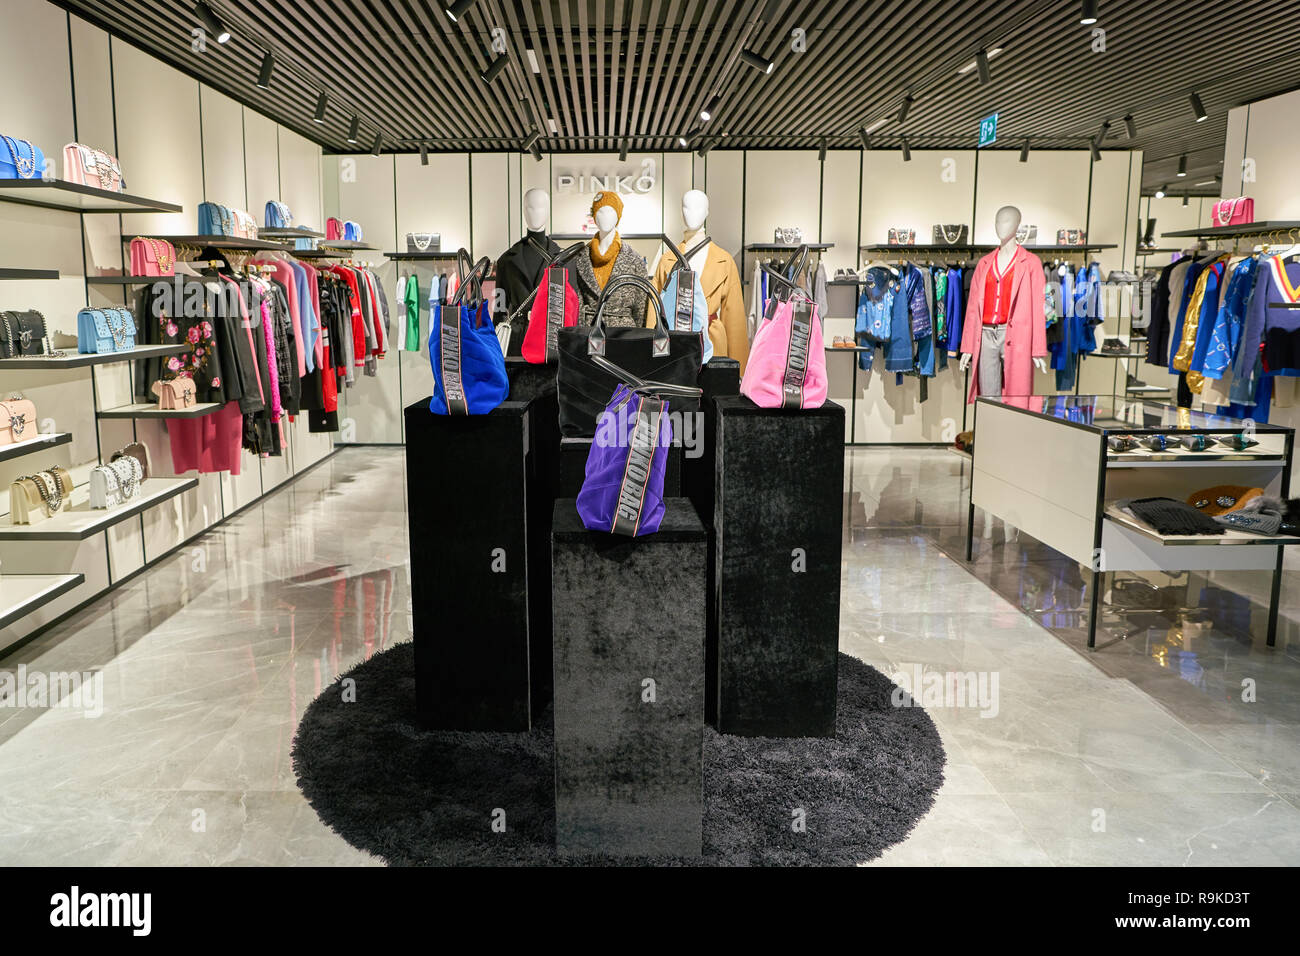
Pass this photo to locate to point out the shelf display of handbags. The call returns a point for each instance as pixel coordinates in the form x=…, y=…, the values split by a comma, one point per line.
x=34, y=498
x=898, y=236
x=100, y=331
x=116, y=483
x=342, y=229
x=1233, y=212
x=423, y=242
x=277, y=215
x=152, y=257
x=1071, y=237
x=21, y=159
x=175, y=393
x=17, y=420
x=92, y=166
x=1026, y=234
x=24, y=333
x=951, y=235
x=139, y=452
x=216, y=219
x=788, y=235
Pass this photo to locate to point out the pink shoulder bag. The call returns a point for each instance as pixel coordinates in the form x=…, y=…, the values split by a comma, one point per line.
x=787, y=361
x=1232, y=212
x=152, y=257
x=90, y=166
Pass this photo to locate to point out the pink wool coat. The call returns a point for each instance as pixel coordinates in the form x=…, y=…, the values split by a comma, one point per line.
x=1026, y=331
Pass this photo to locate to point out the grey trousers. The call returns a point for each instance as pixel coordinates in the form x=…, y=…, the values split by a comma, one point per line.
x=993, y=347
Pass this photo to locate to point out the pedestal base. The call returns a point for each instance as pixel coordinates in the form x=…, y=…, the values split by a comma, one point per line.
x=778, y=528
x=629, y=686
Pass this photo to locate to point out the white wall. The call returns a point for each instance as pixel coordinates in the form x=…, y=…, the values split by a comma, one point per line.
x=177, y=141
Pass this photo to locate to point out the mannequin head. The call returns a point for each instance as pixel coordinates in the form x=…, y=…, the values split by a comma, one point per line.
x=1006, y=223
x=537, y=208
x=607, y=210
x=695, y=209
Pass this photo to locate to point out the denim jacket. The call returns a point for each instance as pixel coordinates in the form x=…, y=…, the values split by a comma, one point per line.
x=1229, y=323
x=884, y=319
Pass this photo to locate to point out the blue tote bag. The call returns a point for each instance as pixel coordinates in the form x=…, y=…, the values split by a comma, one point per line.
x=683, y=300
x=469, y=368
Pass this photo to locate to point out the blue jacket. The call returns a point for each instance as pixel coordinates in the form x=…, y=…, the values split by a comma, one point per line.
x=884, y=319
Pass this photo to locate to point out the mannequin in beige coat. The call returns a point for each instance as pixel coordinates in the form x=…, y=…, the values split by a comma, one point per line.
x=719, y=279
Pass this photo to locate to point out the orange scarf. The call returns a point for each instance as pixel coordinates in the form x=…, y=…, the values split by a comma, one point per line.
x=603, y=265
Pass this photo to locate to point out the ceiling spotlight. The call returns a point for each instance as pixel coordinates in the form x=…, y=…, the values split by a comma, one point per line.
x=821, y=150
x=622, y=152
x=493, y=69
x=424, y=154
x=264, y=74
x=1184, y=199
x=902, y=110
x=532, y=139
x=355, y=129
x=1199, y=109
x=982, y=64
x=379, y=141
x=1024, y=151
x=907, y=152
x=1160, y=192
x=1182, y=165
x=536, y=150
x=1095, y=150
x=458, y=9
x=210, y=22
x=710, y=108
x=1131, y=126
x=865, y=137
x=972, y=64
x=762, y=64
x=705, y=146
x=682, y=141
x=1102, y=133
x=1089, y=16
x=321, y=103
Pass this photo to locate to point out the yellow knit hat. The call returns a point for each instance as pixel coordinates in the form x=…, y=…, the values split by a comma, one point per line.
x=607, y=198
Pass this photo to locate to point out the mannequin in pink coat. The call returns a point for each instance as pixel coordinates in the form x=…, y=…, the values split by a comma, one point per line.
x=1005, y=331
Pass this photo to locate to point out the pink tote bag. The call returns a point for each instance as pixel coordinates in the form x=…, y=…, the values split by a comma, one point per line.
x=787, y=361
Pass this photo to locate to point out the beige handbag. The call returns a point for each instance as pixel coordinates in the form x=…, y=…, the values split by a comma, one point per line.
x=17, y=421
x=136, y=450
x=34, y=498
x=175, y=392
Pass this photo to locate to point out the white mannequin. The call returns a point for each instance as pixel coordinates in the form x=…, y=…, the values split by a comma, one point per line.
x=1005, y=224
x=695, y=210
x=606, y=224
x=537, y=209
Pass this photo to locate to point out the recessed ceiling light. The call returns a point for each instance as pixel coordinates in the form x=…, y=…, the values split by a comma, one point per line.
x=531, y=55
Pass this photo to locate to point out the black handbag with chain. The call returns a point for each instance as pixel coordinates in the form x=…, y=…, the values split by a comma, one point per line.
x=584, y=387
x=950, y=235
x=22, y=333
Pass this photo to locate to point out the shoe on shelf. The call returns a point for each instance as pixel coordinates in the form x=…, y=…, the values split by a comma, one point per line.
x=1113, y=347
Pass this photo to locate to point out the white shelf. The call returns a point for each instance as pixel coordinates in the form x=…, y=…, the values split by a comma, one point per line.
x=39, y=443
x=1144, y=458
x=21, y=594
x=82, y=521
x=1230, y=536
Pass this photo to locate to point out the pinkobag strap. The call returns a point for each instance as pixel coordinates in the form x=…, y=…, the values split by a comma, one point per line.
x=660, y=343
x=629, y=507
x=645, y=386
x=796, y=355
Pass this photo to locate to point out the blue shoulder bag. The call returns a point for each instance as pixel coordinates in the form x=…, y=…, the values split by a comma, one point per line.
x=20, y=159
x=469, y=368
x=105, y=330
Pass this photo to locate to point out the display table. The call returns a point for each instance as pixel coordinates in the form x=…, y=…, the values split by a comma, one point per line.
x=1042, y=464
x=778, y=529
x=467, y=484
x=629, y=686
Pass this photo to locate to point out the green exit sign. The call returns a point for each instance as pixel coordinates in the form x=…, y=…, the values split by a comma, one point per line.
x=989, y=130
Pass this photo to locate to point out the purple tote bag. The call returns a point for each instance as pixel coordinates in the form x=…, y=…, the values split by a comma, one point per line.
x=623, y=490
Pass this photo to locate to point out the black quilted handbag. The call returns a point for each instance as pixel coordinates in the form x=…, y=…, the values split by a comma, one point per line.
x=584, y=388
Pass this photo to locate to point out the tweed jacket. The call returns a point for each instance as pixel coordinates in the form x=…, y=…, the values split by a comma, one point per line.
x=628, y=305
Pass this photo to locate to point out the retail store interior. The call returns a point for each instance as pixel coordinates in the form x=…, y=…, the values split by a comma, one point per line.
x=948, y=515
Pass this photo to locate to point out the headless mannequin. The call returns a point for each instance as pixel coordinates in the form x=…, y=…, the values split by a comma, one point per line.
x=1005, y=225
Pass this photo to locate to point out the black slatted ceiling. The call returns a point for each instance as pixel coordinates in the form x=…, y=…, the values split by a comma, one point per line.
x=640, y=70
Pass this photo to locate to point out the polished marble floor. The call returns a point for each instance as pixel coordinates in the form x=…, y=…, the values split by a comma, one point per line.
x=1142, y=753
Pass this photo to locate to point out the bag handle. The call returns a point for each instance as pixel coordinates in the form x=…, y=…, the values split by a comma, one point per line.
x=645, y=386
x=659, y=344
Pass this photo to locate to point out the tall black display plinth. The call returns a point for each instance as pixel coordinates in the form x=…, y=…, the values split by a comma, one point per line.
x=777, y=526
x=573, y=468
x=718, y=378
x=467, y=494
x=629, y=686
x=527, y=381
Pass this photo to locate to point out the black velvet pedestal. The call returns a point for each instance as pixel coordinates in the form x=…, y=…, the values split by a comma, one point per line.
x=573, y=468
x=629, y=686
x=467, y=492
x=527, y=381
x=777, y=528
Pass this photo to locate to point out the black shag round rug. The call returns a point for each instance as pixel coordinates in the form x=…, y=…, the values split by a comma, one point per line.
x=416, y=797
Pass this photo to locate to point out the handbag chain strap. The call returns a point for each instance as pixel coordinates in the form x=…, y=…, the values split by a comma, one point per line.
x=119, y=333
x=25, y=167
x=947, y=238
x=51, y=489
x=422, y=246
x=1231, y=206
